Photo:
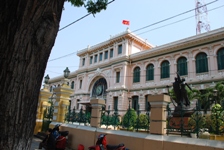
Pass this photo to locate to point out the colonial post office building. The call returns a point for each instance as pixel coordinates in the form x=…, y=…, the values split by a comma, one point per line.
x=126, y=68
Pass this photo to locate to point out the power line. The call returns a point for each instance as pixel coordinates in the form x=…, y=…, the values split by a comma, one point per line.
x=62, y=56
x=178, y=21
x=80, y=18
x=70, y=25
x=139, y=28
x=172, y=17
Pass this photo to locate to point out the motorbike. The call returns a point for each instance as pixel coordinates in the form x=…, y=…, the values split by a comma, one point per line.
x=101, y=144
x=61, y=138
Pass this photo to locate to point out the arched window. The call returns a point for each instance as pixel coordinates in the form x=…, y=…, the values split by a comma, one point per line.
x=220, y=59
x=136, y=75
x=201, y=63
x=182, y=66
x=150, y=72
x=165, y=69
x=72, y=85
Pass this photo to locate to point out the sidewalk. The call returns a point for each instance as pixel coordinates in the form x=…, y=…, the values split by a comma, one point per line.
x=35, y=143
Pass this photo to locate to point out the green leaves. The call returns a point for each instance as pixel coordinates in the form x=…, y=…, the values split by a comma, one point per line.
x=217, y=117
x=77, y=3
x=95, y=7
x=92, y=6
x=129, y=119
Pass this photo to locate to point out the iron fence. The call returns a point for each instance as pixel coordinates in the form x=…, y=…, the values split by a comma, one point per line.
x=82, y=116
x=130, y=119
x=196, y=120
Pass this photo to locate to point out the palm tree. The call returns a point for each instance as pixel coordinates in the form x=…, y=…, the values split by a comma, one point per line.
x=212, y=95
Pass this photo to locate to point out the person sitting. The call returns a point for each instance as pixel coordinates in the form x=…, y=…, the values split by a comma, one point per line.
x=55, y=132
x=49, y=141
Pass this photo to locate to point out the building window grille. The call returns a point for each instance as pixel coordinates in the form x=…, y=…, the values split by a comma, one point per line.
x=182, y=66
x=80, y=84
x=91, y=60
x=77, y=104
x=201, y=63
x=106, y=55
x=115, y=103
x=117, y=77
x=101, y=57
x=83, y=62
x=95, y=58
x=220, y=59
x=165, y=69
x=147, y=104
x=150, y=72
x=111, y=53
x=72, y=85
x=136, y=75
x=135, y=102
x=119, y=49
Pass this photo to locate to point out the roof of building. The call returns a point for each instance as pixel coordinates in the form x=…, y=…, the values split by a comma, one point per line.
x=123, y=35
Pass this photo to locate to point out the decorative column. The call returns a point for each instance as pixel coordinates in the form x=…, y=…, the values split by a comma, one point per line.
x=96, y=111
x=158, y=113
x=42, y=105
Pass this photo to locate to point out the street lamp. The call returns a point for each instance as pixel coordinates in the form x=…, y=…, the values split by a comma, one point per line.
x=66, y=72
x=46, y=79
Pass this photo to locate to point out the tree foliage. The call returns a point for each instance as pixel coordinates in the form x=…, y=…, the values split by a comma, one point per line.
x=207, y=97
x=129, y=119
x=217, y=117
x=91, y=6
x=143, y=122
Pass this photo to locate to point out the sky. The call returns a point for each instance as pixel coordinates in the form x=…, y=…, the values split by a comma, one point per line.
x=92, y=30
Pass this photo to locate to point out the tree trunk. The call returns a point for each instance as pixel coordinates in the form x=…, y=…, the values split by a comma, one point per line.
x=28, y=29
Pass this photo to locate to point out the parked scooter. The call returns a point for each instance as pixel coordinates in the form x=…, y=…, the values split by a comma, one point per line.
x=101, y=144
x=61, y=138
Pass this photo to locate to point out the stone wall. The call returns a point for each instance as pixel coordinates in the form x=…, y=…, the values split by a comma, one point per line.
x=137, y=141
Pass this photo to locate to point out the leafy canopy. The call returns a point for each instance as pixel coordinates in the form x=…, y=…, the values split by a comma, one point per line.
x=92, y=6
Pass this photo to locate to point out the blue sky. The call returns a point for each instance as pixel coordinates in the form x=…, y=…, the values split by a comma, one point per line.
x=93, y=30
